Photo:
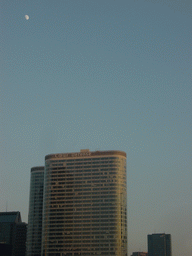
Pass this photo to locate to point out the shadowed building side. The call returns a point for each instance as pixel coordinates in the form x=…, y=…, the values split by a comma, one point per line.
x=159, y=245
x=34, y=231
x=12, y=234
x=139, y=254
x=19, y=244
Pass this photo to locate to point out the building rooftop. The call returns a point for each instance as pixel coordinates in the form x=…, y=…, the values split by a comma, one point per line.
x=14, y=217
x=85, y=153
x=37, y=168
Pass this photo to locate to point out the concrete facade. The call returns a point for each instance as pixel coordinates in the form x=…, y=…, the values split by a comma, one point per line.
x=85, y=204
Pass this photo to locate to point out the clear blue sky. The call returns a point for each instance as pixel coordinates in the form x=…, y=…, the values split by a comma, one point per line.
x=102, y=75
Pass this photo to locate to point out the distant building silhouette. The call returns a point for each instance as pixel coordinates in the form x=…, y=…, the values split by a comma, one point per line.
x=159, y=245
x=139, y=254
x=12, y=234
x=5, y=250
x=35, y=212
x=8, y=221
x=85, y=204
x=19, y=243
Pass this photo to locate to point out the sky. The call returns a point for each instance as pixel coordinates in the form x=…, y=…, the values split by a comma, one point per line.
x=102, y=75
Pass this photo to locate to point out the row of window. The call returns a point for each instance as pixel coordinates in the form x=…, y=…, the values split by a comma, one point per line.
x=94, y=179
x=82, y=159
x=84, y=253
x=95, y=190
x=85, y=171
x=83, y=175
x=100, y=215
x=64, y=177
x=101, y=164
x=78, y=202
x=84, y=167
x=59, y=197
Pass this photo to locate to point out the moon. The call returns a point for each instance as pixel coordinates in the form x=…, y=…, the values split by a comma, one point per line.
x=26, y=17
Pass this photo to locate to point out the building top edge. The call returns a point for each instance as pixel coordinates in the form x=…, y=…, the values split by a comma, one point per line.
x=37, y=168
x=157, y=234
x=85, y=154
x=10, y=213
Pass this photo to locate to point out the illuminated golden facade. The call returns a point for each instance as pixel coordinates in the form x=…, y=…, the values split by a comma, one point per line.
x=85, y=210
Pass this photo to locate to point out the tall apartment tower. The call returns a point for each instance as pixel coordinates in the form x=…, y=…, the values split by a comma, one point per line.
x=159, y=245
x=34, y=230
x=84, y=211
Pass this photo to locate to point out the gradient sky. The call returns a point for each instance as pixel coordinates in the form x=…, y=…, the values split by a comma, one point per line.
x=102, y=75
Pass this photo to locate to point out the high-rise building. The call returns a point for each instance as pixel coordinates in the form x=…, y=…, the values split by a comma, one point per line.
x=85, y=204
x=159, y=244
x=34, y=230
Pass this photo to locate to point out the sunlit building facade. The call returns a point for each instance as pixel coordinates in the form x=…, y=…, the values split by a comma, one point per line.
x=34, y=230
x=85, y=204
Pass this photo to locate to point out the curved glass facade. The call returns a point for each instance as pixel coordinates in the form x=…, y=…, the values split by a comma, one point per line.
x=34, y=229
x=85, y=210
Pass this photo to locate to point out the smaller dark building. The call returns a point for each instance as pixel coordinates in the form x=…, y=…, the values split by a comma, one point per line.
x=139, y=254
x=12, y=234
x=159, y=245
x=5, y=250
x=19, y=243
x=8, y=221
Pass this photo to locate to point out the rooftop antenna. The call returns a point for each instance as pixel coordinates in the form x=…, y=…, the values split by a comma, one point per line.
x=6, y=206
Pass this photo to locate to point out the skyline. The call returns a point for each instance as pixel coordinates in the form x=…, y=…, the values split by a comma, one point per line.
x=102, y=75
